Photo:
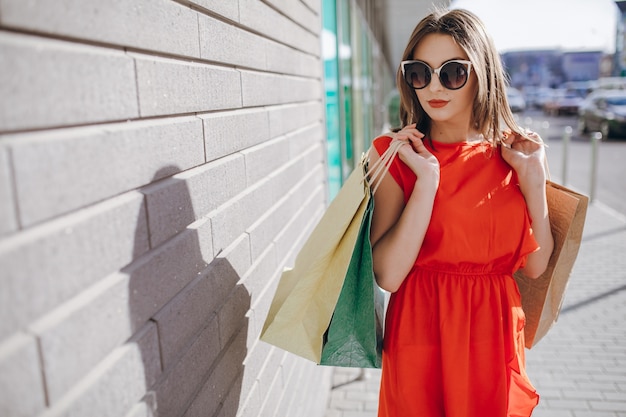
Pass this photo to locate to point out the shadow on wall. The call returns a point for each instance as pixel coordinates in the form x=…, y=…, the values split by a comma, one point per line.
x=187, y=313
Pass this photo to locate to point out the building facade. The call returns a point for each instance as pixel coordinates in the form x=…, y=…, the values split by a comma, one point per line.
x=161, y=162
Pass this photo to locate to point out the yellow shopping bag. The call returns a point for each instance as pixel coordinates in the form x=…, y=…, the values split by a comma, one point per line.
x=307, y=294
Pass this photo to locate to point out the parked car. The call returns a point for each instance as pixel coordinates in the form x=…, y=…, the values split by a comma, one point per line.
x=582, y=88
x=516, y=100
x=562, y=102
x=605, y=112
x=540, y=97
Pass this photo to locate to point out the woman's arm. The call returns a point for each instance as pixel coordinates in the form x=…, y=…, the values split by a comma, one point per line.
x=527, y=158
x=398, y=230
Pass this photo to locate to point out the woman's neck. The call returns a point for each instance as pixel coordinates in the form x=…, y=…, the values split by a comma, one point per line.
x=448, y=133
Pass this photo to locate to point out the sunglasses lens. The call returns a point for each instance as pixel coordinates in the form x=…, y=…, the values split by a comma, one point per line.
x=417, y=75
x=453, y=75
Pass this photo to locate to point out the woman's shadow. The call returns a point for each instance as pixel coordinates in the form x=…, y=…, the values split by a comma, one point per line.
x=187, y=312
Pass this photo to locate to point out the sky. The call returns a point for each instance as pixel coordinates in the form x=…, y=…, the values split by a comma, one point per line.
x=576, y=25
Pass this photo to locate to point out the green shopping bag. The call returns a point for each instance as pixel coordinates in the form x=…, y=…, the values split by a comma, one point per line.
x=355, y=335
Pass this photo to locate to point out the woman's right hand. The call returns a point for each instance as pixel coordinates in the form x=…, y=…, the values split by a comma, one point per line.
x=415, y=155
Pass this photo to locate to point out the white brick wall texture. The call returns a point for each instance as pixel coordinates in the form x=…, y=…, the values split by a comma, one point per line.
x=161, y=161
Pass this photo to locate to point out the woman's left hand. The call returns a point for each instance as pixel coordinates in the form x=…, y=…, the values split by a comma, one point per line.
x=526, y=157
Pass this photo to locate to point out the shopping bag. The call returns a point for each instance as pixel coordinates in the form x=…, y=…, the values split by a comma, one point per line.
x=542, y=297
x=304, y=302
x=307, y=294
x=355, y=335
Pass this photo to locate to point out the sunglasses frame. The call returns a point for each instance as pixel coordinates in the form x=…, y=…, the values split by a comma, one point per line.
x=436, y=71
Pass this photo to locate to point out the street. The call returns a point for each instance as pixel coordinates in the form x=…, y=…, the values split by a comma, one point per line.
x=610, y=184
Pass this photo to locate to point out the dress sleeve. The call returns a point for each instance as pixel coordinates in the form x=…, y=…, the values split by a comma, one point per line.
x=528, y=244
x=398, y=170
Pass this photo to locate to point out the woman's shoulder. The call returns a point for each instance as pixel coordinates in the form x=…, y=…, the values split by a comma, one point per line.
x=381, y=143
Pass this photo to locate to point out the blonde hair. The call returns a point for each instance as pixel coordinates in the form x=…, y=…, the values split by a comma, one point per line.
x=491, y=106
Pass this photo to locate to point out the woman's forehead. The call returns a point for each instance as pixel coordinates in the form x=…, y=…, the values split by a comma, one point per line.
x=437, y=48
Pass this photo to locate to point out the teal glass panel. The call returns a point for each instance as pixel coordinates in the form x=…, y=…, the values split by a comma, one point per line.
x=331, y=87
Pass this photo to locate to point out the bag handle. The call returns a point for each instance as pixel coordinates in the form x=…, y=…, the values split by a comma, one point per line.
x=546, y=167
x=380, y=168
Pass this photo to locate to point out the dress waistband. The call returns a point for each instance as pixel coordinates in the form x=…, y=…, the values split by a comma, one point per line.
x=463, y=270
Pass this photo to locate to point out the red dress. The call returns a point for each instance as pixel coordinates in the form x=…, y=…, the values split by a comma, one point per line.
x=454, y=341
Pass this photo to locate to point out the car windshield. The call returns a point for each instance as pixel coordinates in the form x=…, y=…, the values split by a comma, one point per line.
x=616, y=101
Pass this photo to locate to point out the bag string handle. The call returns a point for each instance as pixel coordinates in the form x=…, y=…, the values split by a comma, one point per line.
x=546, y=167
x=380, y=168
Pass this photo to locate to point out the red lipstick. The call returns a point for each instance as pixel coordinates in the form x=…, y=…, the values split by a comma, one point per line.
x=437, y=103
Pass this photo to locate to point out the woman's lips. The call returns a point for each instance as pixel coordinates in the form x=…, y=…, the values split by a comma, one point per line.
x=437, y=103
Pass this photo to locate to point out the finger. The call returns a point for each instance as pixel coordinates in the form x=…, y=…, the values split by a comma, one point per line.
x=509, y=140
x=416, y=141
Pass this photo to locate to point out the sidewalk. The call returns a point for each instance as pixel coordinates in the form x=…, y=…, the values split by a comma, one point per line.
x=579, y=367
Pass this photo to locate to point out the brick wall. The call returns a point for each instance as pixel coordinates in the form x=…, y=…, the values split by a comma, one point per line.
x=160, y=162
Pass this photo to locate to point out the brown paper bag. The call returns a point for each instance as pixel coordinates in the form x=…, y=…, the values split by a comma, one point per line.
x=542, y=297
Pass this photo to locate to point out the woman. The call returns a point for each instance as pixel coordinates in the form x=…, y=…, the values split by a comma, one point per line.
x=452, y=223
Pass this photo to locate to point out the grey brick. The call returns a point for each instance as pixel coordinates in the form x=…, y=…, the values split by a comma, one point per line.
x=223, y=383
x=232, y=317
x=299, y=13
x=77, y=167
x=262, y=18
x=142, y=409
x=228, y=9
x=163, y=272
x=261, y=307
x=298, y=228
x=614, y=396
x=228, y=132
x=168, y=86
x=47, y=265
x=609, y=405
x=259, y=282
x=273, y=397
x=250, y=404
x=230, y=403
x=287, y=60
x=223, y=42
x=262, y=364
x=187, y=313
x=178, y=201
x=314, y=5
x=158, y=25
x=540, y=411
x=261, y=89
x=238, y=255
x=264, y=159
x=290, y=117
x=184, y=378
x=302, y=140
x=80, y=333
x=118, y=382
x=8, y=218
x=579, y=413
x=21, y=386
x=315, y=401
x=568, y=404
x=82, y=84
x=265, y=229
x=233, y=218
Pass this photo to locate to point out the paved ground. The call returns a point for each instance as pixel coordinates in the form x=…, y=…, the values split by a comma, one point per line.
x=579, y=368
